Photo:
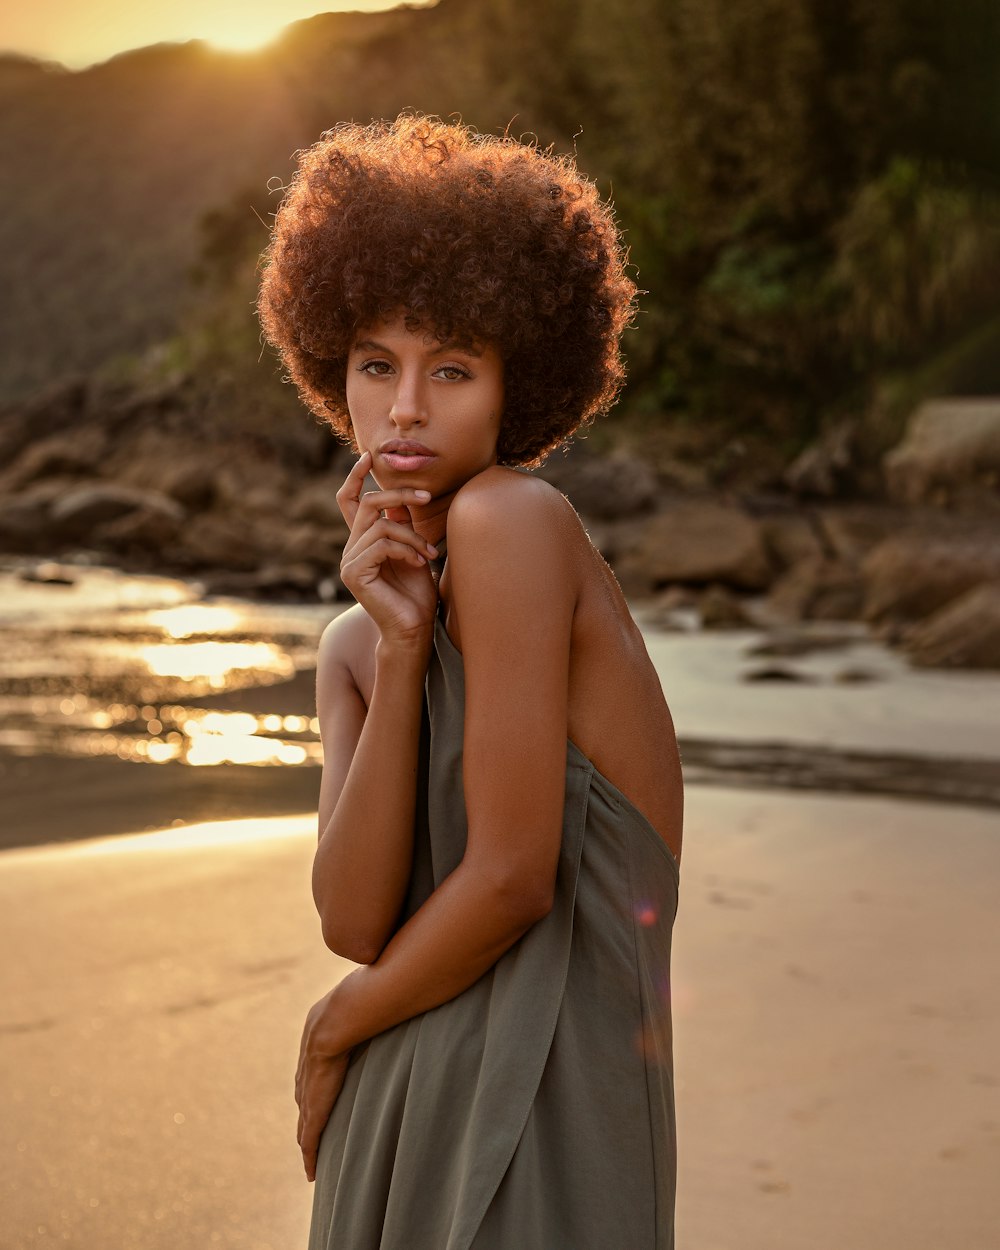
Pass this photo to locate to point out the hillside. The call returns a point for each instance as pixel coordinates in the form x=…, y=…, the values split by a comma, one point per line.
x=809, y=192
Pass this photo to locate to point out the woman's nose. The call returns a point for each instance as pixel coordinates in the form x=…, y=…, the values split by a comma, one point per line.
x=408, y=405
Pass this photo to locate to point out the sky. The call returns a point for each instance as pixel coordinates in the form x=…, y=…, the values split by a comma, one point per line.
x=80, y=32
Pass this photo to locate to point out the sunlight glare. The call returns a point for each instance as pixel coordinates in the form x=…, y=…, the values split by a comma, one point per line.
x=214, y=659
x=241, y=32
x=195, y=618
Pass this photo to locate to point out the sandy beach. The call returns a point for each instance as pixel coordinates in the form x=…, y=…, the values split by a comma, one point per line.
x=836, y=1037
x=836, y=1026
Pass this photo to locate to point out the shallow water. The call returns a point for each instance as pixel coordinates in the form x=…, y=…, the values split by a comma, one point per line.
x=134, y=668
x=115, y=664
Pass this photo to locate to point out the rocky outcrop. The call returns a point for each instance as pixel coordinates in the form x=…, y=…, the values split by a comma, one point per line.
x=137, y=477
x=694, y=541
x=818, y=588
x=913, y=574
x=949, y=456
x=603, y=488
x=965, y=633
x=79, y=511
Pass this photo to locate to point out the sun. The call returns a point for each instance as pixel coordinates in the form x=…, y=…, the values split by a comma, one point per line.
x=245, y=32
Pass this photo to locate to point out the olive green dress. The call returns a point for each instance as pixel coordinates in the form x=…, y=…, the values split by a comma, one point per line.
x=535, y=1111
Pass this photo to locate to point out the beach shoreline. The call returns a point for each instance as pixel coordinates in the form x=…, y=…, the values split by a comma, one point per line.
x=835, y=1053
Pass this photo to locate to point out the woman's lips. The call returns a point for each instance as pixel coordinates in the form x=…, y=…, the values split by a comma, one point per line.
x=406, y=455
x=407, y=462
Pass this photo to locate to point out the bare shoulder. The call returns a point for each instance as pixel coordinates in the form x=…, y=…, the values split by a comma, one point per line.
x=506, y=508
x=514, y=566
x=346, y=647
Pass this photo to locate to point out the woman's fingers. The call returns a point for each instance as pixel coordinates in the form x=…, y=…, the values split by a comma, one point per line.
x=395, y=530
x=373, y=554
x=351, y=500
x=350, y=493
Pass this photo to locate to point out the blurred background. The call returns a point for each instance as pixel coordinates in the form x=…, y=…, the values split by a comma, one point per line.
x=799, y=492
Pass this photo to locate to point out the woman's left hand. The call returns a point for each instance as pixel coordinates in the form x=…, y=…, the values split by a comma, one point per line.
x=318, y=1081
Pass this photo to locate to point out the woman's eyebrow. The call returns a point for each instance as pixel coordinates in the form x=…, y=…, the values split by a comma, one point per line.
x=370, y=345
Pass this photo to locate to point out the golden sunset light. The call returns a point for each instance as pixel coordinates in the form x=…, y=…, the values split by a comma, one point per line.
x=80, y=35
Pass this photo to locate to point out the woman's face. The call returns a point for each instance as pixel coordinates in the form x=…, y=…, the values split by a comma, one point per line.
x=428, y=412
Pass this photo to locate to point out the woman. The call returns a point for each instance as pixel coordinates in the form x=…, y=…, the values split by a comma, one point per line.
x=501, y=803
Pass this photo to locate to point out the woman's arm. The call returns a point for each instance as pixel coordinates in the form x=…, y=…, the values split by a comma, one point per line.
x=362, y=863
x=514, y=593
x=366, y=812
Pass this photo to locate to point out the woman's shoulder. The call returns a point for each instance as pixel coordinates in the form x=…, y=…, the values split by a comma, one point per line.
x=518, y=556
x=507, y=507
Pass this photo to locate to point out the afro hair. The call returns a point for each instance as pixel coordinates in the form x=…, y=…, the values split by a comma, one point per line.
x=473, y=238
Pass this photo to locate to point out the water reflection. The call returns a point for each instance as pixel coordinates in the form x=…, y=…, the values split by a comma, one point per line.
x=213, y=662
x=110, y=680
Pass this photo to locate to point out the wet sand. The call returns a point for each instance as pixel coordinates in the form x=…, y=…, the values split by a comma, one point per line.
x=836, y=1035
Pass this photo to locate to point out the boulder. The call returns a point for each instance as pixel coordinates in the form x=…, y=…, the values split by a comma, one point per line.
x=849, y=531
x=78, y=455
x=214, y=540
x=817, y=589
x=316, y=503
x=790, y=537
x=310, y=543
x=965, y=633
x=675, y=608
x=950, y=453
x=605, y=488
x=192, y=483
x=719, y=608
x=827, y=467
x=273, y=581
x=77, y=512
x=911, y=575
x=24, y=523
x=142, y=533
x=695, y=541
x=47, y=411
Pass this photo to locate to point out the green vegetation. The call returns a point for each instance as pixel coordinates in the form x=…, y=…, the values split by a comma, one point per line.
x=810, y=191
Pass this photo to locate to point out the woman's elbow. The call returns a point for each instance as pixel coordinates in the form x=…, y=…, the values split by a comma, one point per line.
x=524, y=902
x=359, y=948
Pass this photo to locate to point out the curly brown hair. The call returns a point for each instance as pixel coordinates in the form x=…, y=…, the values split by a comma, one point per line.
x=474, y=238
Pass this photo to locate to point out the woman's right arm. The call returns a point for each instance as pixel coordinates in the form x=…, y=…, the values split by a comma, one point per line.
x=368, y=792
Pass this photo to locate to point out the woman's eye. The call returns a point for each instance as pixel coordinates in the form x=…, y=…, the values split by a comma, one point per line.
x=378, y=368
x=452, y=372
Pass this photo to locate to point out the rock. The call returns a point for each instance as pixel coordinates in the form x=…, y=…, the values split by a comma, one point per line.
x=794, y=642
x=214, y=540
x=51, y=410
x=606, y=488
x=192, y=483
x=48, y=573
x=143, y=532
x=789, y=538
x=818, y=589
x=951, y=451
x=24, y=523
x=66, y=454
x=82, y=509
x=776, y=672
x=273, y=581
x=239, y=477
x=911, y=575
x=317, y=503
x=310, y=543
x=675, y=608
x=848, y=531
x=719, y=608
x=965, y=633
x=695, y=541
x=828, y=466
